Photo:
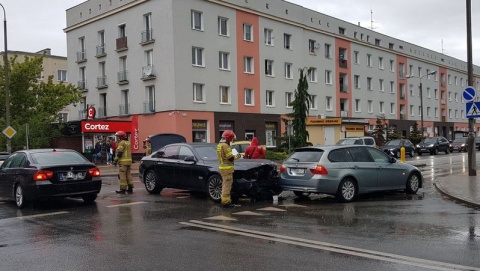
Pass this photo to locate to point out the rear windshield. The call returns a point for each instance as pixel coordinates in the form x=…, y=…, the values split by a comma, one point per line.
x=350, y=141
x=58, y=157
x=308, y=155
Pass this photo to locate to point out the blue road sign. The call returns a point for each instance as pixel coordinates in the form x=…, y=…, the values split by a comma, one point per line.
x=469, y=94
x=473, y=110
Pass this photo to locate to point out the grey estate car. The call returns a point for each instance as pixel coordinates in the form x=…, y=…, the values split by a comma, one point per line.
x=346, y=171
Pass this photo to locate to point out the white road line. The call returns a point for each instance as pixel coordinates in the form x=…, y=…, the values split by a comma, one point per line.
x=126, y=204
x=365, y=253
x=42, y=215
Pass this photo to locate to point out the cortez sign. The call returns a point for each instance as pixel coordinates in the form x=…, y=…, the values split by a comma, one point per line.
x=106, y=126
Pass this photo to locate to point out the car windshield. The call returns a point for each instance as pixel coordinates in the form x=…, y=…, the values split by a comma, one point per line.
x=393, y=143
x=307, y=155
x=207, y=152
x=460, y=140
x=350, y=141
x=58, y=157
x=430, y=140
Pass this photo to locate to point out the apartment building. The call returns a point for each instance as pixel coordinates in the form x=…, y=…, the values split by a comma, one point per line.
x=199, y=67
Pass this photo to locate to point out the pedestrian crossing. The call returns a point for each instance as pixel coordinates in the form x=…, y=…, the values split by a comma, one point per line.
x=232, y=216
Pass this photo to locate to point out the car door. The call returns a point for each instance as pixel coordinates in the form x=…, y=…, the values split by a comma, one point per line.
x=9, y=172
x=363, y=168
x=165, y=165
x=444, y=144
x=390, y=175
x=186, y=172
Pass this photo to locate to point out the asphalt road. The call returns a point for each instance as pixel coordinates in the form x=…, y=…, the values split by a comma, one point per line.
x=179, y=231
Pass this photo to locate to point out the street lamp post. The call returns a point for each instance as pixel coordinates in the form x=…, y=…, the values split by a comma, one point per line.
x=421, y=97
x=7, y=91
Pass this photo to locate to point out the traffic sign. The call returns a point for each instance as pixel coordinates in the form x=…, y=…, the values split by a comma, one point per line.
x=9, y=132
x=469, y=94
x=473, y=110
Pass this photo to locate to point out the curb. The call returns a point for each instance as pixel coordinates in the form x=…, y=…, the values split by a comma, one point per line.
x=444, y=191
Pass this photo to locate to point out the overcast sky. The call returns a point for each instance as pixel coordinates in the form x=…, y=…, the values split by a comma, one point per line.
x=34, y=25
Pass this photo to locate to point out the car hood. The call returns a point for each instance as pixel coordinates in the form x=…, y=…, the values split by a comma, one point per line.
x=422, y=144
x=458, y=144
x=246, y=164
x=389, y=147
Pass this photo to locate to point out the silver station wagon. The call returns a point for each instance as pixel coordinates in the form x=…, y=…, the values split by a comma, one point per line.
x=346, y=171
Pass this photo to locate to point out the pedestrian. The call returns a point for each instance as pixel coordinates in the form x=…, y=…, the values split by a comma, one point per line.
x=124, y=160
x=108, y=151
x=254, y=151
x=225, y=165
x=147, y=145
x=97, y=152
x=113, y=146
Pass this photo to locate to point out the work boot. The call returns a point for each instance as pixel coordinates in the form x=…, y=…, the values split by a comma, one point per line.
x=120, y=191
x=130, y=189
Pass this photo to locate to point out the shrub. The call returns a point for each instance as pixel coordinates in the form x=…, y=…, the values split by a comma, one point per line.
x=275, y=156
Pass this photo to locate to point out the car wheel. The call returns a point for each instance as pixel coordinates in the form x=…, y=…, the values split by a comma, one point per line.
x=435, y=151
x=412, y=153
x=20, y=199
x=447, y=150
x=214, y=188
x=301, y=194
x=413, y=183
x=152, y=184
x=89, y=198
x=346, y=190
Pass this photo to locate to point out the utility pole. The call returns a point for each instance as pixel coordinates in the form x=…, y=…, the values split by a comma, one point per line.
x=7, y=91
x=472, y=168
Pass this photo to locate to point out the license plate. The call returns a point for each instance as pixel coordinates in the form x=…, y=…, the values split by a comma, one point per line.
x=71, y=176
x=298, y=171
x=423, y=149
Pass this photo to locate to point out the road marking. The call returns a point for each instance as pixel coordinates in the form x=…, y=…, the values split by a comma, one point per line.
x=221, y=217
x=247, y=213
x=365, y=253
x=126, y=204
x=271, y=209
x=42, y=215
x=292, y=205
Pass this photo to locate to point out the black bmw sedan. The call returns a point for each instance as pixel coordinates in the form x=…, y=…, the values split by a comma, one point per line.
x=194, y=167
x=37, y=174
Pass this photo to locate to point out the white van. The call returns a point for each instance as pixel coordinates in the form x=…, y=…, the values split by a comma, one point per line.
x=364, y=140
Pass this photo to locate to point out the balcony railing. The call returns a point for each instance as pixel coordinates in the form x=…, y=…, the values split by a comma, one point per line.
x=344, y=113
x=123, y=76
x=344, y=88
x=82, y=85
x=102, y=82
x=149, y=107
x=102, y=112
x=342, y=63
x=402, y=116
x=401, y=74
x=82, y=114
x=402, y=96
x=81, y=56
x=101, y=50
x=122, y=44
x=123, y=109
x=148, y=72
x=442, y=101
x=147, y=36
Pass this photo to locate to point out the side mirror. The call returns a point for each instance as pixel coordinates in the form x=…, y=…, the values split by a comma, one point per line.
x=190, y=158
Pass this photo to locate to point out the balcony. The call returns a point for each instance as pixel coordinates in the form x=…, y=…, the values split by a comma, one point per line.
x=402, y=116
x=149, y=107
x=344, y=114
x=102, y=112
x=344, y=88
x=442, y=101
x=342, y=63
x=121, y=44
x=101, y=51
x=148, y=72
x=81, y=56
x=123, y=77
x=102, y=82
x=124, y=109
x=401, y=74
x=402, y=96
x=82, y=85
x=442, y=83
x=147, y=37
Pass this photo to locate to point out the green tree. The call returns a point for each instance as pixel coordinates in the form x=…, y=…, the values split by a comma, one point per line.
x=301, y=106
x=32, y=103
x=415, y=134
x=379, y=130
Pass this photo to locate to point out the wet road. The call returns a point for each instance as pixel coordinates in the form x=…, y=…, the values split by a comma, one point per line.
x=179, y=231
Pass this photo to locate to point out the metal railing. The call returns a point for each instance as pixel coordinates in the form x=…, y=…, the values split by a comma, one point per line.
x=81, y=56
x=101, y=50
x=81, y=84
x=102, y=81
x=148, y=71
x=147, y=36
x=149, y=107
x=123, y=76
x=102, y=112
x=124, y=109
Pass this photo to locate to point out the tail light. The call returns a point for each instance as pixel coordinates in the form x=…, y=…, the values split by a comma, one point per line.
x=42, y=175
x=321, y=170
x=283, y=168
x=94, y=172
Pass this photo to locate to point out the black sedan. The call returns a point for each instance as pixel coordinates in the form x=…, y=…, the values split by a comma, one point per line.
x=393, y=147
x=194, y=167
x=31, y=175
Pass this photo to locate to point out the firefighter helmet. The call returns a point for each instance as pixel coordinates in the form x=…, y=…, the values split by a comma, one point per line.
x=229, y=135
x=121, y=135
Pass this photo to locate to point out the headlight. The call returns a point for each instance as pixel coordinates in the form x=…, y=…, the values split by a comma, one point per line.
x=463, y=145
x=431, y=145
x=418, y=146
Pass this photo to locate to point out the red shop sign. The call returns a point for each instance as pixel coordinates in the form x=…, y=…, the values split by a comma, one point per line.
x=106, y=126
x=91, y=112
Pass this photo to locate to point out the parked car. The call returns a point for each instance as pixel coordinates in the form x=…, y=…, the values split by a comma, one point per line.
x=194, y=167
x=393, y=146
x=37, y=174
x=241, y=146
x=433, y=145
x=364, y=140
x=459, y=144
x=346, y=171
x=3, y=157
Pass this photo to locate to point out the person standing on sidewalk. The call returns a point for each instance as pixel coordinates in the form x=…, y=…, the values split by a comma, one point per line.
x=124, y=160
x=225, y=165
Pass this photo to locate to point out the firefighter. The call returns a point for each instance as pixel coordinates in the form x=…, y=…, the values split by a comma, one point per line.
x=225, y=165
x=124, y=159
x=147, y=145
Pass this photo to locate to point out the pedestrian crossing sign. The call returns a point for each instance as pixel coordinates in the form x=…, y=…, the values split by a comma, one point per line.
x=473, y=110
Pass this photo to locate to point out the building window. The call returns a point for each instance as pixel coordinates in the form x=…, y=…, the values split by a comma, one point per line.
x=222, y=26
x=62, y=117
x=380, y=63
x=223, y=61
x=247, y=32
x=380, y=83
x=313, y=102
x=198, y=95
x=341, y=31
x=147, y=33
x=197, y=18
x=328, y=103
x=249, y=99
x=328, y=77
x=411, y=110
x=356, y=59
x=392, y=65
x=287, y=41
x=269, y=67
x=123, y=74
x=312, y=74
x=369, y=83
x=370, y=106
x=311, y=46
x=392, y=108
x=225, y=95
x=150, y=97
x=381, y=109
x=356, y=81
x=270, y=98
x=369, y=60
x=62, y=75
x=327, y=51
x=197, y=57
x=288, y=99
x=124, y=108
x=268, y=37
x=288, y=70
x=248, y=64
x=392, y=87
x=357, y=105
